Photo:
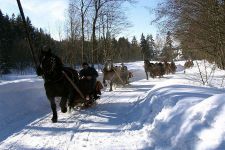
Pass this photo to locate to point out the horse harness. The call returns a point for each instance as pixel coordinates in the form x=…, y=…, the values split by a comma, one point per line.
x=52, y=62
x=48, y=70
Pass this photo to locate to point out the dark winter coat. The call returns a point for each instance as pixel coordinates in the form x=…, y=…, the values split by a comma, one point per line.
x=88, y=84
x=89, y=71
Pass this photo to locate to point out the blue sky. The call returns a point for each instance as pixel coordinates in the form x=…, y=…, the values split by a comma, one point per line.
x=49, y=15
x=140, y=15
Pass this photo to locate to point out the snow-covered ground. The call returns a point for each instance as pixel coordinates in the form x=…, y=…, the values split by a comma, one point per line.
x=172, y=113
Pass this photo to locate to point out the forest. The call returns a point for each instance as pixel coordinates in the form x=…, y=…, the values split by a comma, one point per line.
x=188, y=30
x=15, y=53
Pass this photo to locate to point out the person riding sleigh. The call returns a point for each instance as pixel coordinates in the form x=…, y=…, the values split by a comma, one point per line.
x=88, y=76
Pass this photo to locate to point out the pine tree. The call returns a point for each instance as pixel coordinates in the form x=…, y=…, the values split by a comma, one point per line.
x=145, y=48
x=14, y=49
x=135, y=50
x=134, y=41
x=151, y=45
x=168, y=50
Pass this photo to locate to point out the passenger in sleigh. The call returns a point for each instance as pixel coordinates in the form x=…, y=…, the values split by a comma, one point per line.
x=123, y=67
x=88, y=76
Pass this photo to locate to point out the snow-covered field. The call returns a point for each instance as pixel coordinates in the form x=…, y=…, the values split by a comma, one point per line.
x=172, y=113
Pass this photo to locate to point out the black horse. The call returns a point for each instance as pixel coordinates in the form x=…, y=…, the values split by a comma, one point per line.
x=57, y=84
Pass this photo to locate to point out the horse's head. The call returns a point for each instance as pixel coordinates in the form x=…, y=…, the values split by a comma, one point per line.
x=131, y=75
x=48, y=61
x=108, y=66
x=43, y=54
x=146, y=62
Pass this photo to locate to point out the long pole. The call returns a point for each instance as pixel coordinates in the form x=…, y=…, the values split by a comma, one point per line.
x=74, y=85
x=28, y=34
x=32, y=49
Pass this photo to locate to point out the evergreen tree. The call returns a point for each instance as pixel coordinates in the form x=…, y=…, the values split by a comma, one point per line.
x=151, y=46
x=123, y=49
x=145, y=48
x=134, y=41
x=168, y=50
x=14, y=48
x=135, y=50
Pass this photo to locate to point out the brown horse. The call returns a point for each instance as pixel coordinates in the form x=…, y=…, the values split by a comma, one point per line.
x=116, y=75
x=188, y=64
x=173, y=67
x=154, y=70
x=169, y=67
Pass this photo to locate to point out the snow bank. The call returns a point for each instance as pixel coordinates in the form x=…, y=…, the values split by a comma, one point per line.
x=183, y=117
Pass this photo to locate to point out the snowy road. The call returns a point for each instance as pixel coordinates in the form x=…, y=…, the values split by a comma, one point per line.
x=143, y=115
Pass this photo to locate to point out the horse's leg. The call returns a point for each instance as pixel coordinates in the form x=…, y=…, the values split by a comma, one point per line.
x=63, y=104
x=71, y=98
x=111, y=84
x=126, y=80
x=94, y=92
x=53, y=106
x=146, y=75
x=104, y=82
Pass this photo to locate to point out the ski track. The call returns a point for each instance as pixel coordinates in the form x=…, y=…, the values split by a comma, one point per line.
x=72, y=129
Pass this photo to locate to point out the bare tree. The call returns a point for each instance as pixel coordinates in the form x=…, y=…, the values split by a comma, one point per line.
x=198, y=25
x=99, y=8
x=104, y=16
x=73, y=35
x=112, y=21
x=59, y=29
x=82, y=7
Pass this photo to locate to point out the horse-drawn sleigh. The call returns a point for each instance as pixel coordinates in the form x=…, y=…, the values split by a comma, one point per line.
x=158, y=69
x=118, y=75
x=64, y=82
